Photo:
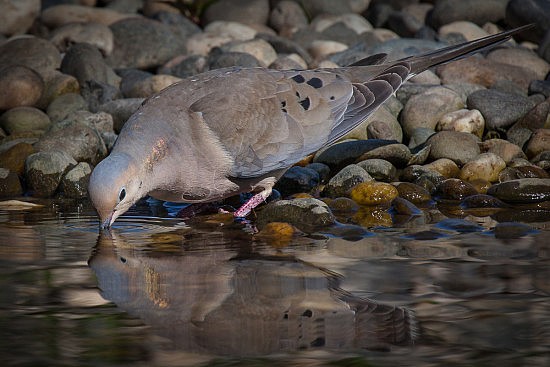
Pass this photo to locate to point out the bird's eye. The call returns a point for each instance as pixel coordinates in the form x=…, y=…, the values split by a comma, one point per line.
x=122, y=194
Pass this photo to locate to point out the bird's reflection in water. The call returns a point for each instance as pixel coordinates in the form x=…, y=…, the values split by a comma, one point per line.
x=226, y=301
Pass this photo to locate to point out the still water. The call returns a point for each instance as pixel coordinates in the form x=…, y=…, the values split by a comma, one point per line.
x=159, y=292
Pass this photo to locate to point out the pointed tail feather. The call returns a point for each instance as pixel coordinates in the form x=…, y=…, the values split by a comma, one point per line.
x=419, y=63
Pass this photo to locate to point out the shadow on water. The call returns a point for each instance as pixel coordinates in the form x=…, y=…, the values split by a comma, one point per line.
x=157, y=291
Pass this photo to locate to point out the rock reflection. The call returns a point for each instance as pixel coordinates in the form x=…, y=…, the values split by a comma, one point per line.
x=237, y=301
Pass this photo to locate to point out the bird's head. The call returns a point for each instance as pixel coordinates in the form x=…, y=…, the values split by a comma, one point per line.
x=114, y=187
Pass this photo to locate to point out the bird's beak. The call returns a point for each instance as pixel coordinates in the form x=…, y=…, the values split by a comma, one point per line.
x=106, y=223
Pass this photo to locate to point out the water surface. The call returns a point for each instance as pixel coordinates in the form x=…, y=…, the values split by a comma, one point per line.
x=156, y=291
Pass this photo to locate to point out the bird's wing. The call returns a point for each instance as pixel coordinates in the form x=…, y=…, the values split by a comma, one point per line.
x=268, y=119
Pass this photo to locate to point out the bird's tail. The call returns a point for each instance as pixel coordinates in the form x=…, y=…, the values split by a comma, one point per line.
x=419, y=63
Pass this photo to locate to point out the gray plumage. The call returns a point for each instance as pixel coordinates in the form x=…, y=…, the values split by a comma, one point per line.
x=235, y=130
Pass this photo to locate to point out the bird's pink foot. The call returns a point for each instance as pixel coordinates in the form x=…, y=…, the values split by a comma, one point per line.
x=251, y=203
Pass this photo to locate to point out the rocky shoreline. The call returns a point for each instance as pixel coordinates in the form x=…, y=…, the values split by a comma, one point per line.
x=473, y=133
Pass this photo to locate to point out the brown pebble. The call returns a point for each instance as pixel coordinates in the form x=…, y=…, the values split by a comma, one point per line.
x=455, y=189
x=373, y=193
x=19, y=86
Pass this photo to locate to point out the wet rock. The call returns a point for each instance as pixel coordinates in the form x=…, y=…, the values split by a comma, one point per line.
x=343, y=205
x=44, y=171
x=14, y=157
x=59, y=15
x=322, y=169
x=85, y=63
x=456, y=146
x=411, y=173
x=76, y=139
x=402, y=206
x=539, y=142
x=520, y=12
x=413, y=193
x=21, y=119
x=482, y=201
x=485, y=166
x=35, y=53
x=425, y=109
x=277, y=234
x=19, y=86
x=306, y=214
x=532, y=171
x=447, y=11
x=143, y=43
x=297, y=179
x=525, y=190
x=430, y=181
x=514, y=173
x=466, y=121
x=121, y=110
x=343, y=181
x=18, y=16
x=373, y=216
x=339, y=155
x=477, y=70
x=75, y=183
x=444, y=166
x=95, y=34
x=504, y=149
x=420, y=156
x=373, y=193
x=9, y=184
x=397, y=154
x=499, y=109
x=241, y=11
x=287, y=16
x=455, y=189
x=65, y=104
x=379, y=169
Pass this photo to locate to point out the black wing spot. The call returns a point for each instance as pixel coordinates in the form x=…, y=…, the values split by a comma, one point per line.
x=315, y=82
x=283, y=104
x=332, y=98
x=298, y=78
x=305, y=103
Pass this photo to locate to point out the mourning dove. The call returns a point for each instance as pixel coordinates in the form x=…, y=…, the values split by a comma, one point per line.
x=236, y=130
